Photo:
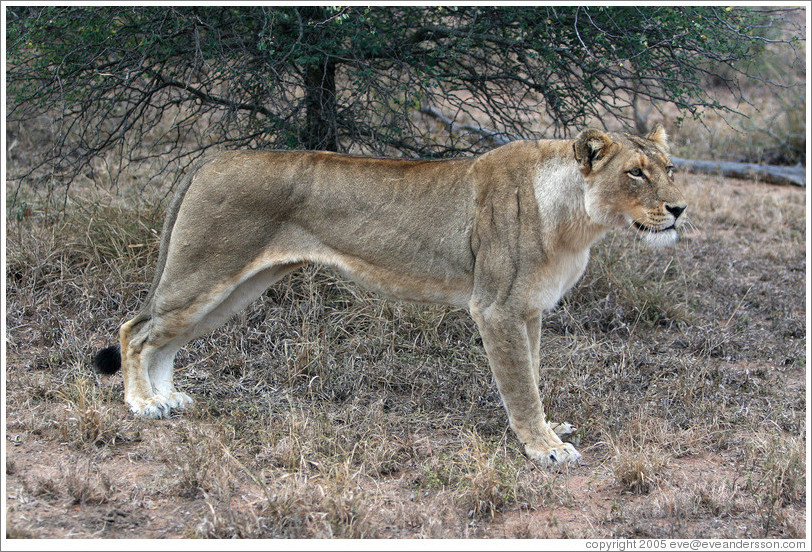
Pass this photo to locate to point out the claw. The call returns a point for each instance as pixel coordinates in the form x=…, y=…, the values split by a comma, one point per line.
x=566, y=432
x=160, y=406
x=561, y=454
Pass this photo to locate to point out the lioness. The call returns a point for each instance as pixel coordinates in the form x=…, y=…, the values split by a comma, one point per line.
x=504, y=234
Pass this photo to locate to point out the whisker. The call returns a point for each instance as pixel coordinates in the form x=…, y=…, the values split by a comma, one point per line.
x=688, y=224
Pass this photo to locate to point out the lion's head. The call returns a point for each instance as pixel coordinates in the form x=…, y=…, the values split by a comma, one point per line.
x=630, y=183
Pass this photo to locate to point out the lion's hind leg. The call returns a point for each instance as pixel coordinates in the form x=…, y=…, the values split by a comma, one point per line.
x=150, y=342
x=146, y=359
x=137, y=387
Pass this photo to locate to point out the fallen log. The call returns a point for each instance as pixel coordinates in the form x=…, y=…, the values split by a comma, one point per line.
x=773, y=174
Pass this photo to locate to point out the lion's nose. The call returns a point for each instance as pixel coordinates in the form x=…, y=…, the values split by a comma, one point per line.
x=675, y=210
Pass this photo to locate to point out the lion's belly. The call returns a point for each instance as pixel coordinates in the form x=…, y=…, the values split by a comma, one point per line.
x=450, y=289
x=402, y=269
x=559, y=276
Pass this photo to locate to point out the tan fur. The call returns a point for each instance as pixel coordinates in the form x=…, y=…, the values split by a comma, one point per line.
x=504, y=235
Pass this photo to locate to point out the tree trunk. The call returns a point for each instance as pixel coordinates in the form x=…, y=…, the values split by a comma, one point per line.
x=320, y=104
x=320, y=132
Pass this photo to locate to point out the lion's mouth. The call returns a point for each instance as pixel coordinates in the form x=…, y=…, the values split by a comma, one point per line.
x=643, y=228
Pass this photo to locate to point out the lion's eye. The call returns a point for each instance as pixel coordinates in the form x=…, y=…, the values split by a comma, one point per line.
x=670, y=170
x=636, y=172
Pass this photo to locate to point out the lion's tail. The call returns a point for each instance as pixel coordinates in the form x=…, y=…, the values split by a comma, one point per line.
x=108, y=360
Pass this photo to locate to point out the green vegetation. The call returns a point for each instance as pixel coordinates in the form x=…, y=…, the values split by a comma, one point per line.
x=171, y=82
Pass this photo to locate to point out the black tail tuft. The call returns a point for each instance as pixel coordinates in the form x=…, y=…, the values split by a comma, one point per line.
x=108, y=360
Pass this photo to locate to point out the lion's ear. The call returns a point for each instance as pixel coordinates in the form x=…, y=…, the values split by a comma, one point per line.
x=590, y=146
x=659, y=136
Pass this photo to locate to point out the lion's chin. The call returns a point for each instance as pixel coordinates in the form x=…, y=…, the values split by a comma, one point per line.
x=663, y=238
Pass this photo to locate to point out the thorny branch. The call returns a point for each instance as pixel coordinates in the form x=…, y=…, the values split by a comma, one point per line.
x=161, y=86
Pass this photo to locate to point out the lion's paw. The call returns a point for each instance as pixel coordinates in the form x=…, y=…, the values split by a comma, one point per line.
x=151, y=407
x=557, y=455
x=160, y=406
x=179, y=400
x=566, y=432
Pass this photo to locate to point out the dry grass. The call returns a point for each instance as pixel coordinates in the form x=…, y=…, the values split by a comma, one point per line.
x=323, y=411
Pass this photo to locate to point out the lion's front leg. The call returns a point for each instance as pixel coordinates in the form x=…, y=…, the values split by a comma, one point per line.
x=534, y=335
x=508, y=347
x=564, y=430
